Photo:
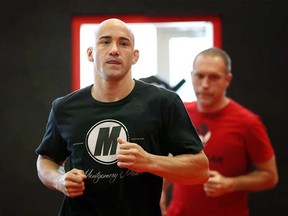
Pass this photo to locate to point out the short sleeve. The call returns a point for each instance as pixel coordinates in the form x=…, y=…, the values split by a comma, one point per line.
x=259, y=145
x=53, y=145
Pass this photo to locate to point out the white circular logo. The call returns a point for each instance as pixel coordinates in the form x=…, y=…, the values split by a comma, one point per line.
x=101, y=140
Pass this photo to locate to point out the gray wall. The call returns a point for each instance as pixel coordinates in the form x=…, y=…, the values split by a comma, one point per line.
x=35, y=67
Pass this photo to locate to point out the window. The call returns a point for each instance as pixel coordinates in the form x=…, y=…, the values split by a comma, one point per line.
x=167, y=47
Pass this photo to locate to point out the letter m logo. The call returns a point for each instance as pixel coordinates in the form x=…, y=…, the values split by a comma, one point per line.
x=101, y=140
x=107, y=142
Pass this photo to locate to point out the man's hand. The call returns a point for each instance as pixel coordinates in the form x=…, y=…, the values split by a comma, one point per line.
x=218, y=184
x=72, y=183
x=132, y=156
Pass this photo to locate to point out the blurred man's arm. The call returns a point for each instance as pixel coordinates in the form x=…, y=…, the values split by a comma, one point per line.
x=264, y=177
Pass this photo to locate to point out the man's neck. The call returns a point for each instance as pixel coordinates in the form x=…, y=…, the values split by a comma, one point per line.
x=213, y=108
x=111, y=91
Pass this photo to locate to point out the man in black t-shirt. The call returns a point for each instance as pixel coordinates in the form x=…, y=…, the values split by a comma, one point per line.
x=114, y=137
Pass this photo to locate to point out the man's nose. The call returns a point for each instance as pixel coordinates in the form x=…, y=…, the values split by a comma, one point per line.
x=205, y=81
x=114, y=49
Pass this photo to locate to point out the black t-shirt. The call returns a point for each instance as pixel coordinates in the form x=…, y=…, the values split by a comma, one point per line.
x=84, y=132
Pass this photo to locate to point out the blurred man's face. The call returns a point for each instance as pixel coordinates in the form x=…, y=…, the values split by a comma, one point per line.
x=210, y=80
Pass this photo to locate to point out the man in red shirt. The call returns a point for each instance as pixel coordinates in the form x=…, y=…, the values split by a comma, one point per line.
x=235, y=141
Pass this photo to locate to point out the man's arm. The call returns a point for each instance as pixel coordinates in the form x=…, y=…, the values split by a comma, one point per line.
x=185, y=169
x=264, y=177
x=53, y=176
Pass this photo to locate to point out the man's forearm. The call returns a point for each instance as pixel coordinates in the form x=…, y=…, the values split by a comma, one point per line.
x=49, y=172
x=184, y=169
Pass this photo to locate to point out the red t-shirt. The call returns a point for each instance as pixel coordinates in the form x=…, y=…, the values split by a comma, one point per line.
x=234, y=139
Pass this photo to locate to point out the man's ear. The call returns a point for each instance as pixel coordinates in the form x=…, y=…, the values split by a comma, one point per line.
x=90, y=54
x=135, y=56
x=229, y=79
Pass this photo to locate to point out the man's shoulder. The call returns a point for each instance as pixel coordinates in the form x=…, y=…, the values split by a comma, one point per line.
x=149, y=88
x=241, y=108
x=242, y=112
x=191, y=105
x=72, y=96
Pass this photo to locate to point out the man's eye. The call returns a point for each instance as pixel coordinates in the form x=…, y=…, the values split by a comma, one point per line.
x=104, y=42
x=199, y=76
x=123, y=44
x=214, y=77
